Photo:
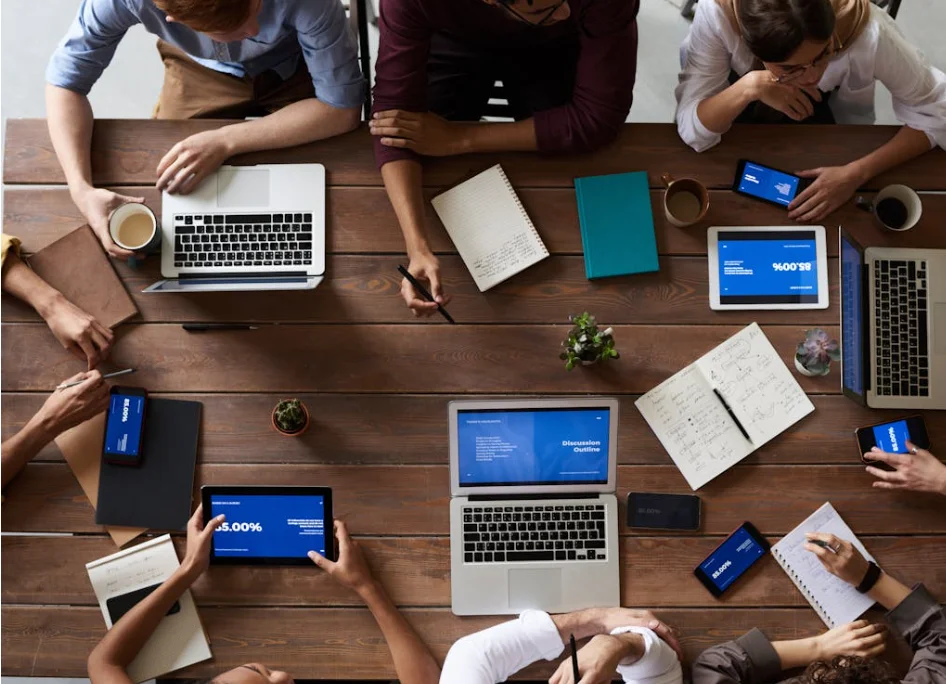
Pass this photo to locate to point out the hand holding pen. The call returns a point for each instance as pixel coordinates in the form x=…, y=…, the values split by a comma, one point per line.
x=418, y=307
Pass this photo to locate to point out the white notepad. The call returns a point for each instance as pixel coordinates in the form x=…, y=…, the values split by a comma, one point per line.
x=179, y=639
x=693, y=425
x=835, y=601
x=490, y=228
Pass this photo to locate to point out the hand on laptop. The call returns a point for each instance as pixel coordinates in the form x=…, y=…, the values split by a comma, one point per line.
x=190, y=161
x=77, y=331
x=424, y=267
x=918, y=470
x=97, y=204
x=197, y=556
x=598, y=659
x=350, y=570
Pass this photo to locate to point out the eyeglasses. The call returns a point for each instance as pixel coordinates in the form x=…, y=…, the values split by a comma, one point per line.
x=791, y=73
x=541, y=22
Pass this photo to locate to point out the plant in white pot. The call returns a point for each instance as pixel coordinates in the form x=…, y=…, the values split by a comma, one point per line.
x=815, y=354
x=586, y=344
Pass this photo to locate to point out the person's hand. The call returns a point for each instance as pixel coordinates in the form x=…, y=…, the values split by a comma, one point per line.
x=918, y=470
x=199, y=537
x=423, y=132
x=598, y=659
x=631, y=617
x=96, y=204
x=859, y=638
x=833, y=186
x=68, y=407
x=424, y=267
x=190, y=161
x=842, y=559
x=78, y=332
x=792, y=100
x=350, y=570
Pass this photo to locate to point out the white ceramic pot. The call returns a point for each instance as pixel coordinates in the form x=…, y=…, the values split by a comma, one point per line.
x=807, y=373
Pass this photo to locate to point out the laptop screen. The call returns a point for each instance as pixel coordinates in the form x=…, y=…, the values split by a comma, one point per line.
x=852, y=319
x=550, y=446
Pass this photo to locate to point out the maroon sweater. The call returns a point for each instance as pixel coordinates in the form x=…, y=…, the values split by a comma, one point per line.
x=604, y=80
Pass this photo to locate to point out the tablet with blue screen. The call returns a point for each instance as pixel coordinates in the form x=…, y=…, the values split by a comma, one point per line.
x=269, y=525
x=768, y=267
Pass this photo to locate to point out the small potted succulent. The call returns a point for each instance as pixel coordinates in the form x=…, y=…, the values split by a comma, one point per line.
x=291, y=417
x=814, y=356
x=586, y=344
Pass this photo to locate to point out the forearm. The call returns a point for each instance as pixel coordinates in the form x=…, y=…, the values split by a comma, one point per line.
x=70, y=120
x=889, y=592
x=23, y=283
x=499, y=137
x=797, y=652
x=403, y=182
x=719, y=111
x=19, y=449
x=299, y=123
x=904, y=146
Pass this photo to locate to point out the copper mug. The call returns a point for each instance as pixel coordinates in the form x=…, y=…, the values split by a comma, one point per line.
x=686, y=200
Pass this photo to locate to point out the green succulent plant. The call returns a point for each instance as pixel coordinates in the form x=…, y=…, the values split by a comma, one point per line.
x=817, y=351
x=585, y=343
x=290, y=416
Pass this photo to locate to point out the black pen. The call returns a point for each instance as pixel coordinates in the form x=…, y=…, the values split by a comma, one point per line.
x=204, y=327
x=575, y=672
x=822, y=544
x=423, y=292
x=732, y=415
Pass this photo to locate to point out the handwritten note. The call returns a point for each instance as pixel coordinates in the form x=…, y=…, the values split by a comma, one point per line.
x=693, y=425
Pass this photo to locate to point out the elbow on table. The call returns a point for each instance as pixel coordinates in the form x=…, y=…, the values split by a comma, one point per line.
x=694, y=139
x=589, y=135
x=349, y=119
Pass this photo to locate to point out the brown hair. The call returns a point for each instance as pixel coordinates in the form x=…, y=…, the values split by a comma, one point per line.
x=208, y=16
x=775, y=29
x=849, y=670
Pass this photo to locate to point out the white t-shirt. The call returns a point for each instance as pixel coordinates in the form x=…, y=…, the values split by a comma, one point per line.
x=880, y=53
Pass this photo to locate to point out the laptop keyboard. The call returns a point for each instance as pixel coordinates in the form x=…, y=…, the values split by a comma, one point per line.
x=900, y=321
x=502, y=534
x=241, y=240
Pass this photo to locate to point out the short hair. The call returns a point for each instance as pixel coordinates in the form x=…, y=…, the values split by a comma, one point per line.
x=849, y=670
x=208, y=16
x=775, y=29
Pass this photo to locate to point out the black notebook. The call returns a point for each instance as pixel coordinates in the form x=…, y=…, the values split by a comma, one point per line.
x=157, y=493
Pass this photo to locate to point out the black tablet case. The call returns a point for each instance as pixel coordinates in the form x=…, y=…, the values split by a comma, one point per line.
x=157, y=493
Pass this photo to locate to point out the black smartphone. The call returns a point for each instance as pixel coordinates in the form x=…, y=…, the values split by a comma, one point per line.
x=125, y=426
x=119, y=605
x=767, y=184
x=891, y=436
x=663, y=511
x=731, y=559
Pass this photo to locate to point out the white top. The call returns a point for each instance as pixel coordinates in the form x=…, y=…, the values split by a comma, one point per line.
x=497, y=653
x=880, y=53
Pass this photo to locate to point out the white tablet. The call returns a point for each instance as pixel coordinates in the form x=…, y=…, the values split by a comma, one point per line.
x=768, y=267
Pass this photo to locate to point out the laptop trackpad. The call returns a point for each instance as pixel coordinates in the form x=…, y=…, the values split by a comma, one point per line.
x=541, y=589
x=939, y=328
x=242, y=187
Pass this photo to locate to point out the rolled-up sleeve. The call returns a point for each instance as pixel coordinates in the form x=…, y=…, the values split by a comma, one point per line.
x=330, y=50
x=705, y=65
x=89, y=45
x=750, y=659
x=921, y=620
x=659, y=663
x=604, y=82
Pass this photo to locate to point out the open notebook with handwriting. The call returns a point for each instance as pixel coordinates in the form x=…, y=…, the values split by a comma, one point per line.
x=691, y=419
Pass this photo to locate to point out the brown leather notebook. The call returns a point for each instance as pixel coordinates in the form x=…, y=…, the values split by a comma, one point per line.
x=79, y=268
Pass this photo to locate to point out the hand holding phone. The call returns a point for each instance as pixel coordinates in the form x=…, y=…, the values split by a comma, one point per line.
x=891, y=437
x=124, y=426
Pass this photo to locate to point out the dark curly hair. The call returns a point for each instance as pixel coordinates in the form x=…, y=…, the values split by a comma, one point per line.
x=849, y=670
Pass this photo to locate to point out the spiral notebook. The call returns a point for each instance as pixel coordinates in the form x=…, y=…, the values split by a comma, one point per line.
x=835, y=601
x=490, y=228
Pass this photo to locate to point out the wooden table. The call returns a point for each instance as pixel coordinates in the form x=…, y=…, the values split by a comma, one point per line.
x=377, y=382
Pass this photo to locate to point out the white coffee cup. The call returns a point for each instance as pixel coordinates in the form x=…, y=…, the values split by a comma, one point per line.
x=133, y=226
x=909, y=208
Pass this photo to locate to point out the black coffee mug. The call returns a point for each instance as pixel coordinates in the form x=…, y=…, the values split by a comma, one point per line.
x=896, y=207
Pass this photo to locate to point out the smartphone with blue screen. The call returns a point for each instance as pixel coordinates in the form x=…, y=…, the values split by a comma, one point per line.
x=891, y=436
x=767, y=184
x=125, y=426
x=732, y=559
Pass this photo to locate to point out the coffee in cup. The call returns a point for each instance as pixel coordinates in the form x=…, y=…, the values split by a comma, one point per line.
x=896, y=207
x=686, y=200
x=134, y=227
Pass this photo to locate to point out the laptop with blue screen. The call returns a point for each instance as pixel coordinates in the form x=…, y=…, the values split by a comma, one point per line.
x=533, y=511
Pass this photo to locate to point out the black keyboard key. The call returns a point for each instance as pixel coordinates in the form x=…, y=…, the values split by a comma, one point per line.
x=187, y=230
x=247, y=218
x=526, y=556
x=219, y=219
x=307, y=218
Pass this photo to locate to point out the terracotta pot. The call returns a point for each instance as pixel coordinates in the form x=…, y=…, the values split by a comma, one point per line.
x=297, y=433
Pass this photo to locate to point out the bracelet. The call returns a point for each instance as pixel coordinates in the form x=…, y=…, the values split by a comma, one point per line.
x=870, y=577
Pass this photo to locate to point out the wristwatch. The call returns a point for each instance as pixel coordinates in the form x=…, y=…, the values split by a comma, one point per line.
x=870, y=577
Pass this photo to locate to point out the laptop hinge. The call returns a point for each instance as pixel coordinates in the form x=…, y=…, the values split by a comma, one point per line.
x=225, y=274
x=866, y=357
x=532, y=497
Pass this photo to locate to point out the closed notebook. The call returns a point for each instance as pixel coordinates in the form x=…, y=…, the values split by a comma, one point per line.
x=157, y=493
x=617, y=225
x=78, y=267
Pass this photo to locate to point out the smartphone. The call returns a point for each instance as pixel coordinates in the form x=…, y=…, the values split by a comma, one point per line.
x=124, y=426
x=731, y=559
x=891, y=437
x=663, y=511
x=119, y=605
x=767, y=184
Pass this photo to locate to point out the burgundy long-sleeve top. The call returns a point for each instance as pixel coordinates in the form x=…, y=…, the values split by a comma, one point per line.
x=604, y=80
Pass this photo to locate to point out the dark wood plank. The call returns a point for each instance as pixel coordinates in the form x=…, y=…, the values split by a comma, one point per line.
x=377, y=358
x=655, y=572
x=412, y=500
x=128, y=152
x=360, y=428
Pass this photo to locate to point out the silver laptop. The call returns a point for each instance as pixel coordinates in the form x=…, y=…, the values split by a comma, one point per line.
x=533, y=514
x=246, y=228
x=893, y=326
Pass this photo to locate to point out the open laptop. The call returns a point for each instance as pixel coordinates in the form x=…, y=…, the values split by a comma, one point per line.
x=246, y=228
x=533, y=514
x=893, y=326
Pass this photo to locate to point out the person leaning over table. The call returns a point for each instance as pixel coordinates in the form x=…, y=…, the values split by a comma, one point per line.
x=919, y=470
x=567, y=68
x=845, y=654
x=808, y=60
x=77, y=331
x=292, y=62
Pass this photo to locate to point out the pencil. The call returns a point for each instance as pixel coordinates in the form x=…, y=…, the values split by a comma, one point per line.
x=67, y=385
x=575, y=672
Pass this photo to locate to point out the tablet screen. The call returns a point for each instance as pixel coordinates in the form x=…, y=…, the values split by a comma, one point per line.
x=269, y=526
x=768, y=267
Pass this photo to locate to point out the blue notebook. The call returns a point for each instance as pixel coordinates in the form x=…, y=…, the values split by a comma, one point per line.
x=617, y=226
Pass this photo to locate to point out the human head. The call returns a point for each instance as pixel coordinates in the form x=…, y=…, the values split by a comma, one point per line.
x=224, y=21
x=790, y=33
x=534, y=12
x=252, y=673
x=849, y=670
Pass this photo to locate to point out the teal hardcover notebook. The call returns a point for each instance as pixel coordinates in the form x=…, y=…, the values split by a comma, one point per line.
x=617, y=226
